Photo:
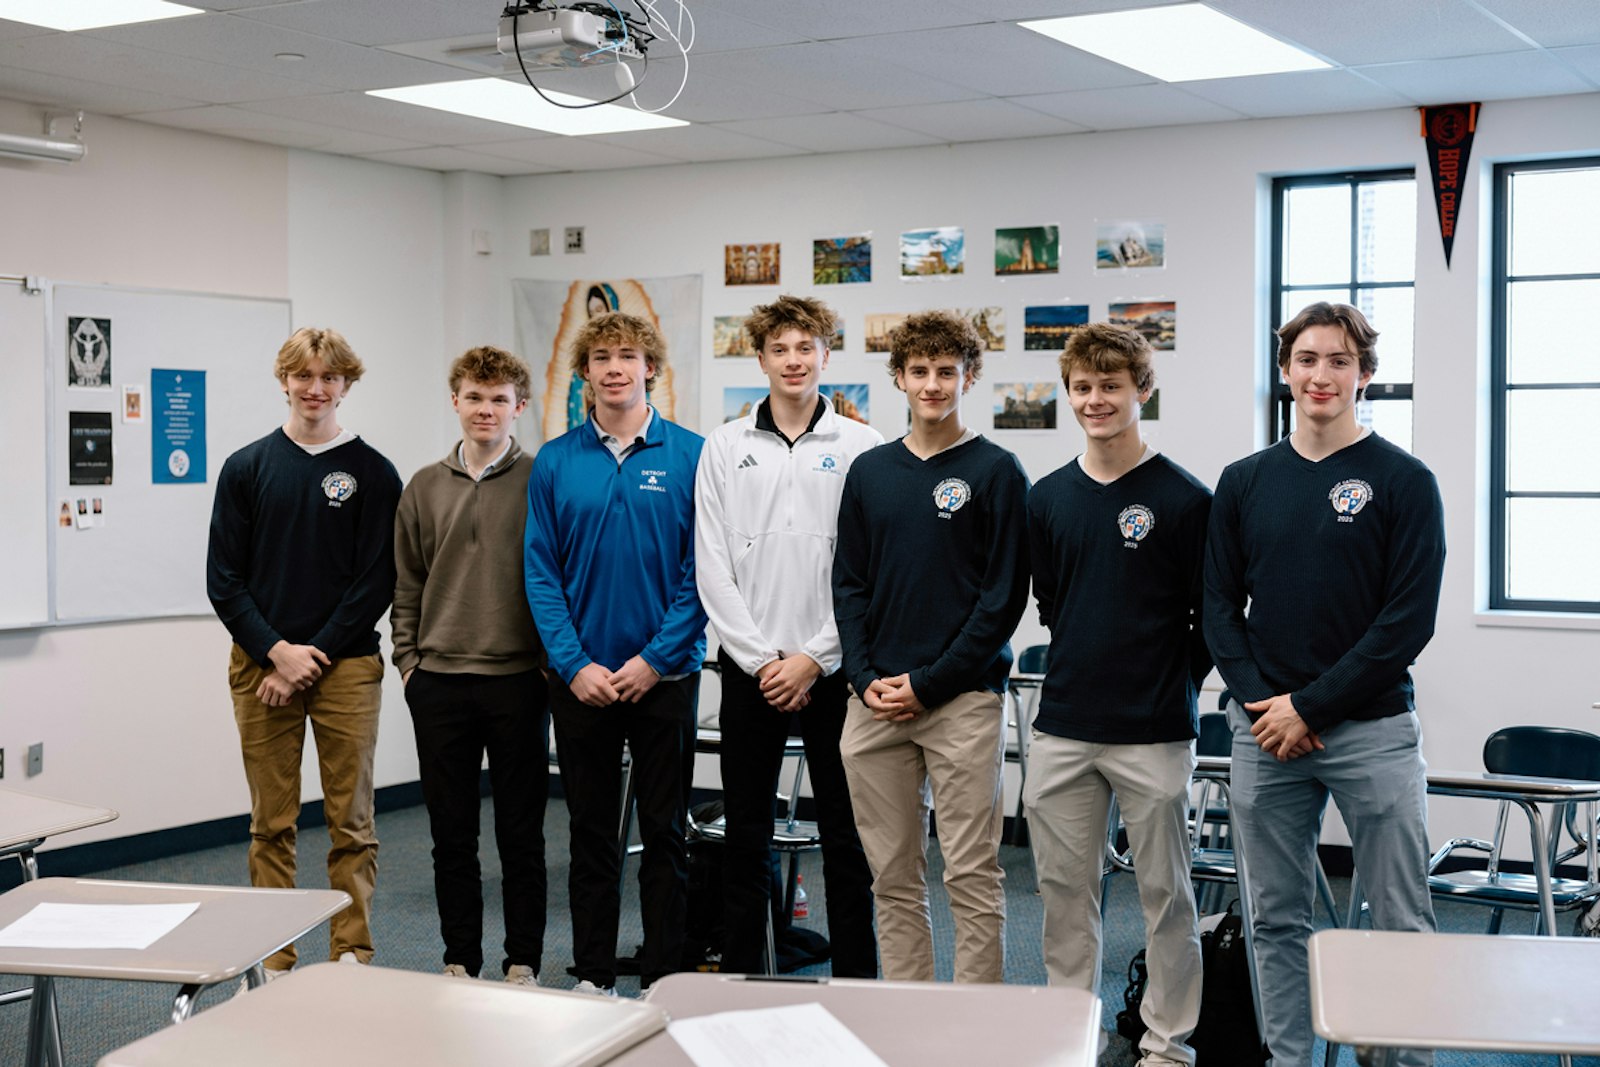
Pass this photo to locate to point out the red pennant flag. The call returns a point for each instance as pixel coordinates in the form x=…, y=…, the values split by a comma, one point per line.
x=1448, y=129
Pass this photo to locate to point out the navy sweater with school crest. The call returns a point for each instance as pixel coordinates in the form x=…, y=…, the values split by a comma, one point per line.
x=1117, y=573
x=930, y=575
x=1340, y=562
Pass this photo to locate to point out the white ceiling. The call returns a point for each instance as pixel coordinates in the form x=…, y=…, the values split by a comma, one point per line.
x=776, y=77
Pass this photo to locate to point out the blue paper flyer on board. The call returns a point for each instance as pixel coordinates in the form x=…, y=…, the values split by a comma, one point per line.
x=178, y=436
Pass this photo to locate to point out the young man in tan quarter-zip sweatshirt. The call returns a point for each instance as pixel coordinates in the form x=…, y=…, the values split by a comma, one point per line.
x=470, y=659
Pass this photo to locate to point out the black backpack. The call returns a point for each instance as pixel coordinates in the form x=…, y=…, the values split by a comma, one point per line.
x=1227, y=1035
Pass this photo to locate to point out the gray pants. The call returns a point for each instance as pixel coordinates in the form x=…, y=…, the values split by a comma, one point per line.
x=1375, y=772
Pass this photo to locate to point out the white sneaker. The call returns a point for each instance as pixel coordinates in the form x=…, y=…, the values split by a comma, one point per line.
x=455, y=970
x=272, y=975
x=521, y=974
x=588, y=988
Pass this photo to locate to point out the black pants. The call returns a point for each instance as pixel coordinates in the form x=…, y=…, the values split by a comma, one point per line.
x=659, y=730
x=457, y=718
x=753, y=734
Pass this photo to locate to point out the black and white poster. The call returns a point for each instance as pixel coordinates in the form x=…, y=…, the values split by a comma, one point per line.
x=89, y=447
x=88, y=353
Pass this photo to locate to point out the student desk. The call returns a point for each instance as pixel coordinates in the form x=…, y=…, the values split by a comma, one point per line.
x=340, y=1015
x=1525, y=793
x=907, y=1024
x=1491, y=993
x=27, y=820
x=233, y=930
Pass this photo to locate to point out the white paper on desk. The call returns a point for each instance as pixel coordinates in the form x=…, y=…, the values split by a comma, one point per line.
x=95, y=925
x=801, y=1035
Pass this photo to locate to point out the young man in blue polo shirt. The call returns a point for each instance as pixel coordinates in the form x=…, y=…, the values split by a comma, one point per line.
x=766, y=516
x=930, y=577
x=1117, y=543
x=1334, y=540
x=609, y=562
x=300, y=568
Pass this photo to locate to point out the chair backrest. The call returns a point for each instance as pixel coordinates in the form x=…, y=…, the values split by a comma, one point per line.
x=1543, y=751
x=1216, y=736
x=1032, y=660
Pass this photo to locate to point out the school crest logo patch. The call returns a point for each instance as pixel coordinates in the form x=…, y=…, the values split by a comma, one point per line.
x=1136, y=522
x=1349, y=497
x=828, y=464
x=951, y=495
x=339, y=487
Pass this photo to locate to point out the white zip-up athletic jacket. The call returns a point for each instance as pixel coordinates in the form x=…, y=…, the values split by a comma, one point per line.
x=766, y=518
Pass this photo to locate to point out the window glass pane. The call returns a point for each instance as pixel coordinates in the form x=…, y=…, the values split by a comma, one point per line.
x=1552, y=439
x=1389, y=312
x=1555, y=217
x=1316, y=234
x=1296, y=299
x=1547, y=341
x=1550, y=549
x=1390, y=419
x=1386, y=224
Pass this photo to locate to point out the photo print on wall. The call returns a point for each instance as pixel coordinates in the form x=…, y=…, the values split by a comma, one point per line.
x=1027, y=250
x=934, y=253
x=841, y=260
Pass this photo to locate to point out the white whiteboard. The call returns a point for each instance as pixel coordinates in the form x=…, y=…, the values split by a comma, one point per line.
x=24, y=573
x=146, y=558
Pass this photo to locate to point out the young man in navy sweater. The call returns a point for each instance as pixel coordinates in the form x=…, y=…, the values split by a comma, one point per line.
x=1334, y=539
x=1120, y=532
x=930, y=577
x=300, y=569
x=609, y=560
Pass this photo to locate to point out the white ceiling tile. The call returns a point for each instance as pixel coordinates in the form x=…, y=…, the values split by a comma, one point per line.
x=249, y=45
x=1584, y=59
x=822, y=20
x=1498, y=77
x=451, y=159
x=722, y=31
x=378, y=22
x=1550, y=23
x=974, y=120
x=999, y=59
x=389, y=118
x=700, y=144
x=275, y=129
x=830, y=76
x=1136, y=106
x=573, y=153
x=1309, y=92
x=712, y=98
x=10, y=30
x=833, y=131
x=1352, y=32
x=142, y=69
x=55, y=90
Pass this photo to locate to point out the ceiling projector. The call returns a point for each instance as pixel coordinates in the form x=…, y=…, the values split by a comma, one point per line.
x=564, y=37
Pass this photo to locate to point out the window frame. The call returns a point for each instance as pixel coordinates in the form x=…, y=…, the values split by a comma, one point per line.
x=1279, y=401
x=1501, y=388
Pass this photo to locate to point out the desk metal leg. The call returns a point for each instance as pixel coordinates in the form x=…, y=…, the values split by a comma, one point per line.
x=183, y=1003
x=255, y=977
x=1541, y=865
x=1246, y=913
x=44, y=1027
x=30, y=872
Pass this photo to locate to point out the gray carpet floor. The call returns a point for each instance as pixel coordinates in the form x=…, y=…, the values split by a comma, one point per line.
x=97, y=1017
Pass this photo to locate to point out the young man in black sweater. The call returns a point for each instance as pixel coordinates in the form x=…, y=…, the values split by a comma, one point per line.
x=1116, y=544
x=930, y=578
x=1334, y=539
x=300, y=569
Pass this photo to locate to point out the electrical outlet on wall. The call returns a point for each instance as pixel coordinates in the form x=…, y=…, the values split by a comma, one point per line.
x=35, y=759
x=574, y=240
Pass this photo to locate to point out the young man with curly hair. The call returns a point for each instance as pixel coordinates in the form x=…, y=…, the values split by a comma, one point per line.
x=766, y=515
x=469, y=658
x=300, y=569
x=609, y=564
x=1118, y=534
x=930, y=578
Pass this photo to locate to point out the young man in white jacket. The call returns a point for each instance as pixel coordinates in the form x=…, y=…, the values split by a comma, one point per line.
x=766, y=509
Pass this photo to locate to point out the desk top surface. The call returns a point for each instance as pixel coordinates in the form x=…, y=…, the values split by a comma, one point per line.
x=1455, y=991
x=907, y=1024
x=355, y=1016
x=27, y=817
x=234, y=928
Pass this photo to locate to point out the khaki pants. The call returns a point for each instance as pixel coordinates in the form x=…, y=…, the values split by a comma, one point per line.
x=955, y=753
x=343, y=708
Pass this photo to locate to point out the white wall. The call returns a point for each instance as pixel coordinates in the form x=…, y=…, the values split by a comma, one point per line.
x=136, y=715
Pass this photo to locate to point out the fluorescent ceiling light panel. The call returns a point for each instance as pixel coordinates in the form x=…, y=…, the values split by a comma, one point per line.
x=90, y=14
x=518, y=105
x=1178, y=43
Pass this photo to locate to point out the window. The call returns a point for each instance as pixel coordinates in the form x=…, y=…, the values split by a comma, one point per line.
x=1349, y=239
x=1545, y=426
